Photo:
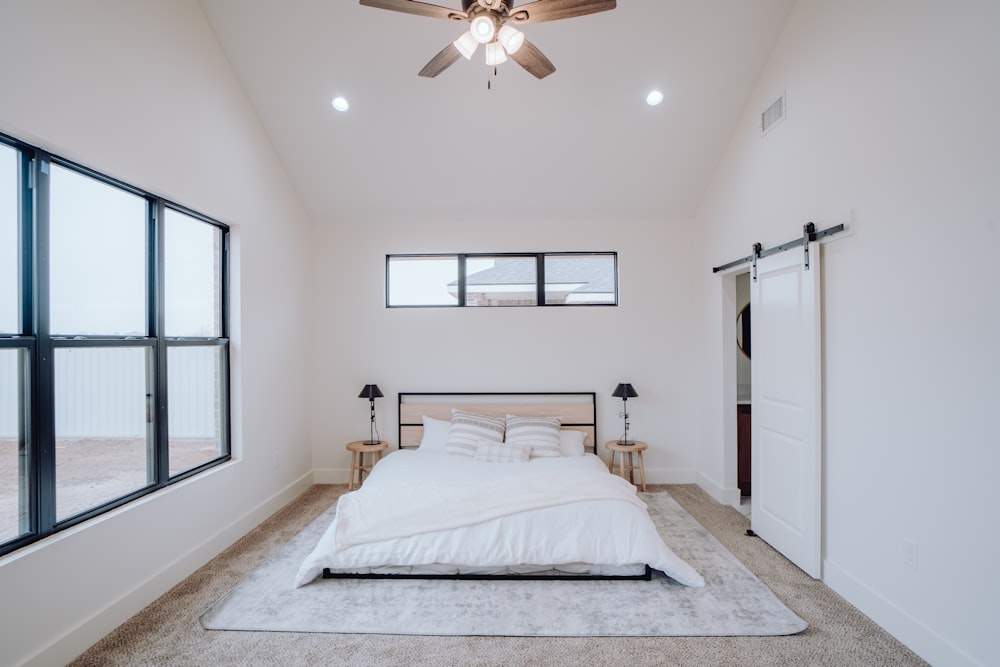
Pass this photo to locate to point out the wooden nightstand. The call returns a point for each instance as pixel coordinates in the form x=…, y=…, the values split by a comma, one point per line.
x=628, y=450
x=359, y=469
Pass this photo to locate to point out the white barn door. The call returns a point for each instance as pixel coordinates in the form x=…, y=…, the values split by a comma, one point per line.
x=786, y=396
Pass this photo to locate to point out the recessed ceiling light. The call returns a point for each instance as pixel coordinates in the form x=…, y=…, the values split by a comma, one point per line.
x=654, y=98
x=340, y=104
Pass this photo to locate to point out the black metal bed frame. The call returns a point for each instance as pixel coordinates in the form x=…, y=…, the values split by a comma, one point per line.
x=562, y=576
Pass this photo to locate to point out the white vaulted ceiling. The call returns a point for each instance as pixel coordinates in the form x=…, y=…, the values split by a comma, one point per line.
x=579, y=144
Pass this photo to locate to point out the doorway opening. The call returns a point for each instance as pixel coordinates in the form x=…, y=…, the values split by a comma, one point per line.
x=743, y=351
x=733, y=300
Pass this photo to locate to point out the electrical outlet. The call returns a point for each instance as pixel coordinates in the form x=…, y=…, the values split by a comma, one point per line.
x=910, y=553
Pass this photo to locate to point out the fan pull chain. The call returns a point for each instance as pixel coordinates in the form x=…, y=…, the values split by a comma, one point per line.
x=489, y=81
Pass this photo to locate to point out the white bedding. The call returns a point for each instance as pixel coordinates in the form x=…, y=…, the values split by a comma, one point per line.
x=456, y=514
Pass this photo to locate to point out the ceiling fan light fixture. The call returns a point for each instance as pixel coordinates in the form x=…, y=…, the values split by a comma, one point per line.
x=511, y=38
x=486, y=21
x=483, y=29
x=466, y=45
x=495, y=54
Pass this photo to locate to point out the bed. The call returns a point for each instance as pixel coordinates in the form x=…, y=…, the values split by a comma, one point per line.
x=494, y=485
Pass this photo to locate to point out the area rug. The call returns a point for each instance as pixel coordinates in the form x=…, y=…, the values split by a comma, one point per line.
x=733, y=602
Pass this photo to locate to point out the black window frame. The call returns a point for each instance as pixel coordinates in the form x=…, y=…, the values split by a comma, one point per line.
x=37, y=342
x=462, y=287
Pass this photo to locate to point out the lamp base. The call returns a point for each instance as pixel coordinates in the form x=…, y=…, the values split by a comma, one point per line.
x=626, y=442
x=371, y=442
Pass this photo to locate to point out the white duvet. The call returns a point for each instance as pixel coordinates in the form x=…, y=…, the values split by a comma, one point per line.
x=420, y=509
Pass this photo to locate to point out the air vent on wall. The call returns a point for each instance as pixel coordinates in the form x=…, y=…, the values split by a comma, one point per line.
x=772, y=115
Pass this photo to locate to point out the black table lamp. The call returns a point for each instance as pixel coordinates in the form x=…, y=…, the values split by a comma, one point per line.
x=371, y=392
x=624, y=391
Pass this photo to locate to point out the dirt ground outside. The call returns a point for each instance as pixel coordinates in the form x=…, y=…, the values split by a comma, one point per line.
x=92, y=471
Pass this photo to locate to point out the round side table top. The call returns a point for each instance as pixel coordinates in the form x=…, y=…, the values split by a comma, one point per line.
x=636, y=446
x=360, y=446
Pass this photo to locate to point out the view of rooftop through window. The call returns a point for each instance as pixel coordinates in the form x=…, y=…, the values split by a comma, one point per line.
x=501, y=280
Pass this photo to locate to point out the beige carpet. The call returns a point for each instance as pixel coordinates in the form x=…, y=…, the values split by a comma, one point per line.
x=167, y=632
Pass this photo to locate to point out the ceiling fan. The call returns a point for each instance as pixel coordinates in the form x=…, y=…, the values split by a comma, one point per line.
x=491, y=23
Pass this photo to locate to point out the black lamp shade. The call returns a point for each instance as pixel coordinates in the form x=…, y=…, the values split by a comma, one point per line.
x=371, y=391
x=624, y=390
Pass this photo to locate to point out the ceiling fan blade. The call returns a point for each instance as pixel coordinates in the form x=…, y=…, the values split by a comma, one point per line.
x=533, y=60
x=418, y=8
x=441, y=61
x=553, y=10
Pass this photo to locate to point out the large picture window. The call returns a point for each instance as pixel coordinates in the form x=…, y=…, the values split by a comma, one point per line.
x=114, y=349
x=525, y=279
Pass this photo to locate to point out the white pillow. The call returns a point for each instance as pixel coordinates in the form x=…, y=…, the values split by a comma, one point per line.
x=571, y=442
x=435, y=435
x=498, y=452
x=539, y=433
x=468, y=428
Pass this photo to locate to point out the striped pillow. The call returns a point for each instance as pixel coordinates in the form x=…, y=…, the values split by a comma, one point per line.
x=539, y=433
x=498, y=452
x=468, y=429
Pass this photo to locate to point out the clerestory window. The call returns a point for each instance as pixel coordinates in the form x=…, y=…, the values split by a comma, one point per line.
x=506, y=279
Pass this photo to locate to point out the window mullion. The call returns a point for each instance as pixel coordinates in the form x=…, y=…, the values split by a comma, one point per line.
x=43, y=418
x=540, y=279
x=157, y=299
x=461, y=280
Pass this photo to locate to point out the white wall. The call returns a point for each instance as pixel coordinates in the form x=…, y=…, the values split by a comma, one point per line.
x=647, y=340
x=892, y=128
x=142, y=92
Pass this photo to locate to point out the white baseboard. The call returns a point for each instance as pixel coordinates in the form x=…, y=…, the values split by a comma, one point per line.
x=721, y=494
x=331, y=476
x=670, y=476
x=918, y=637
x=74, y=642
